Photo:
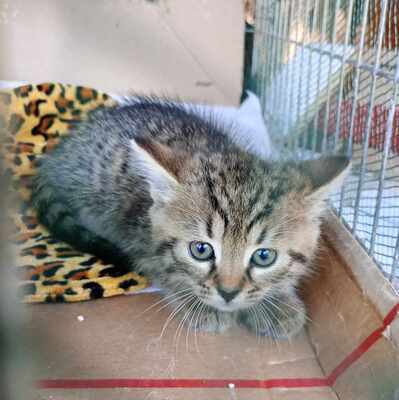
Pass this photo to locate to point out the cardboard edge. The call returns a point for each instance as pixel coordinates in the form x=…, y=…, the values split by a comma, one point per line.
x=365, y=272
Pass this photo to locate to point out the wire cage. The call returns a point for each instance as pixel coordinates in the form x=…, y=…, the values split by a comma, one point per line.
x=327, y=74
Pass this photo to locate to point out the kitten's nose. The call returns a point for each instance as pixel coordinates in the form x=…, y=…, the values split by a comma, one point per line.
x=228, y=294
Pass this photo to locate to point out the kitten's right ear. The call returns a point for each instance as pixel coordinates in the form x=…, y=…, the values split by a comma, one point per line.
x=326, y=175
x=159, y=166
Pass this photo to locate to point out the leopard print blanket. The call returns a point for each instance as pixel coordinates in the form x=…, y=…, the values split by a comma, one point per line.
x=32, y=118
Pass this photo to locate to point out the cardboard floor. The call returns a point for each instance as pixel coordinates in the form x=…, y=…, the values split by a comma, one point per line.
x=115, y=339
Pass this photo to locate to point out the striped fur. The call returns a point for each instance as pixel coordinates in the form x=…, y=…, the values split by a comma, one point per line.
x=149, y=177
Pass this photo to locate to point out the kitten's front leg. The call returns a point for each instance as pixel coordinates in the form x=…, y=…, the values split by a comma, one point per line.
x=280, y=317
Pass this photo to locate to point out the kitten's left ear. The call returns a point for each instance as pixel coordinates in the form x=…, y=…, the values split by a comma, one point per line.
x=326, y=174
x=159, y=166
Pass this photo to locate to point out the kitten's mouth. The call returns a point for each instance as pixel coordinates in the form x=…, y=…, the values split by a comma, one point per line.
x=221, y=305
x=228, y=308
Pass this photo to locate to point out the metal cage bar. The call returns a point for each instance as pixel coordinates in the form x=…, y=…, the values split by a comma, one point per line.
x=369, y=115
x=327, y=73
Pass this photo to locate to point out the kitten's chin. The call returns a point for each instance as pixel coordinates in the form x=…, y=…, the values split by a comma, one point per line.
x=221, y=305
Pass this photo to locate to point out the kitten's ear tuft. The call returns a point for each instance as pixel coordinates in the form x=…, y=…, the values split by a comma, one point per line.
x=159, y=166
x=326, y=174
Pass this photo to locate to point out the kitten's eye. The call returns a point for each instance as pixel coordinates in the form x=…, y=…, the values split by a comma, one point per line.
x=201, y=251
x=264, y=257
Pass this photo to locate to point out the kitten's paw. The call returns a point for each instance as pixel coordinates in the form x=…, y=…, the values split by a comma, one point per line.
x=282, y=320
x=214, y=321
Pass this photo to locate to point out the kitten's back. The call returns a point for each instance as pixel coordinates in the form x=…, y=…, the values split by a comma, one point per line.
x=91, y=178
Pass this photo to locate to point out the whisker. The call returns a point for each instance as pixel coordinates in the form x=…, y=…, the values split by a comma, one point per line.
x=204, y=311
x=197, y=321
x=279, y=309
x=292, y=307
x=180, y=327
x=197, y=305
x=270, y=325
x=164, y=298
x=174, y=301
x=174, y=313
x=253, y=315
x=272, y=301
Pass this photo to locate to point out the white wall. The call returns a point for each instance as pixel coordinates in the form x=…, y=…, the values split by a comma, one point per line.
x=190, y=48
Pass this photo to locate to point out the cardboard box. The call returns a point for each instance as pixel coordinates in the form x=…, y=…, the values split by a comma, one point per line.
x=111, y=348
x=120, y=351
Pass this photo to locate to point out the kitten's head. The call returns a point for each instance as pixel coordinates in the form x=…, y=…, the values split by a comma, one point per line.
x=232, y=229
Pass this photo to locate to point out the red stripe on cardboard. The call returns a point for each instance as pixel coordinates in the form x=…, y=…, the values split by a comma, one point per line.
x=181, y=383
x=288, y=383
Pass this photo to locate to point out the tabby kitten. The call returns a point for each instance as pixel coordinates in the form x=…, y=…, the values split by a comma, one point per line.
x=160, y=189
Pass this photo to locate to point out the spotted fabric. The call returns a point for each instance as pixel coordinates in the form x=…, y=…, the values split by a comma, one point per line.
x=32, y=118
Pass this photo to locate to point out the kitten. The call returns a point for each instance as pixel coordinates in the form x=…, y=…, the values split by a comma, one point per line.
x=164, y=191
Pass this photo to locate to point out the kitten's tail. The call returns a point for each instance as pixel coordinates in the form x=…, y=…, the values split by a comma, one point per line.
x=56, y=215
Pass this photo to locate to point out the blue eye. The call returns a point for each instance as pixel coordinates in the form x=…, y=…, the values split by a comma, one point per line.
x=264, y=257
x=201, y=251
